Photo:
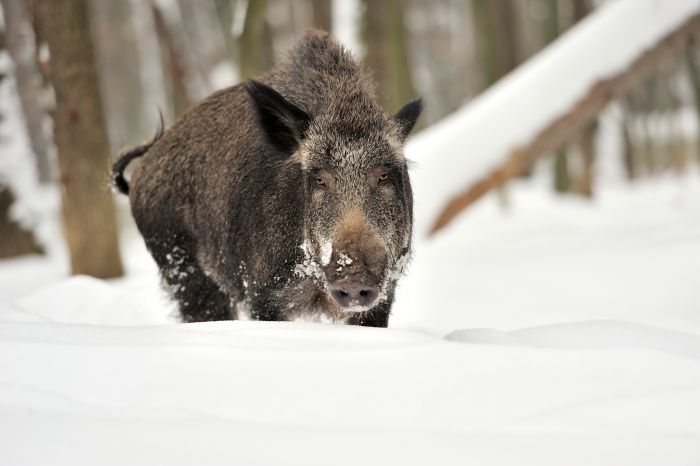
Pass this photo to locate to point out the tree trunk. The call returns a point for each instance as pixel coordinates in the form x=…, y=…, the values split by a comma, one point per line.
x=694, y=75
x=22, y=47
x=496, y=38
x=180, y=97
x=586, y=145
x=560, y=169
x=322, y=14
x=581, y=9
x=552, y=25
x=497, y=46
x=384, y=33
x=225, y=10
x=629, y=154
x=199, y=27
x=83, y=154
x=255, y=43
x=560, y=166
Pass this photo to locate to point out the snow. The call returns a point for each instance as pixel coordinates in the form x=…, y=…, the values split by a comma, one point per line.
x=480, y=135
x=326, y=253
x=630, y=254
x=222, y=393
x=218, y=393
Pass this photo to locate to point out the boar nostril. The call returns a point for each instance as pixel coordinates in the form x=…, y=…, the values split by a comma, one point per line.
x=352, y=293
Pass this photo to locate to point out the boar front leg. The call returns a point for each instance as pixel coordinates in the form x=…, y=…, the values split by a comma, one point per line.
x=264, y=306
x=377, y=317
x=198, y=297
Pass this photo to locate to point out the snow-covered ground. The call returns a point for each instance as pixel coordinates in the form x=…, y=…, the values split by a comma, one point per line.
x=633, y=253
x=558, y=332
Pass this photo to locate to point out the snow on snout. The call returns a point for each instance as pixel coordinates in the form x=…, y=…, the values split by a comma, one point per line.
x=344, y=259
x=326, y=252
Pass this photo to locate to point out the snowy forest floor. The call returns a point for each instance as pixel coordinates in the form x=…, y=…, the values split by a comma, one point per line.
x=559, y=331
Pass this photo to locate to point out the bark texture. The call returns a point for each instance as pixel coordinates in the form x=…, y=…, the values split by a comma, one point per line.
x=83, y=154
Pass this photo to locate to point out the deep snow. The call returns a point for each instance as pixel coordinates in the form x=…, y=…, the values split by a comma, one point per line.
x=632, y=253
x=251, y=393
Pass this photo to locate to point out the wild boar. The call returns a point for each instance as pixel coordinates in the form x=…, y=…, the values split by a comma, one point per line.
x=282, y=197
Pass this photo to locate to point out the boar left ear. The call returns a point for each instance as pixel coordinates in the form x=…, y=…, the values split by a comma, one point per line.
x=407, y=116
x=283, y=123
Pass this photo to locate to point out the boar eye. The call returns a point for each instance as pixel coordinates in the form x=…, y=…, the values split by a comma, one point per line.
x=380, y=175
x=323, y=180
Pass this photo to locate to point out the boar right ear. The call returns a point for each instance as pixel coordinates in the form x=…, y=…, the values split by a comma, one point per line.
x=283, y=123
x=407, y=116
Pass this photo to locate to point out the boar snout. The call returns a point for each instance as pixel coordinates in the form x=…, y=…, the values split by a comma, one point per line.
x=353, y=293
x=357, y=263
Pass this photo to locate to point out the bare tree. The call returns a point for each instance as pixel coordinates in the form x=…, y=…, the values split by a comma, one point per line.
x=180, y=95
x=21, y=45
x=255, y=43
x=322, y=14
x=83, y=154
x=496, y=38
x=225, y=10
x=694, y=77
x=552, y=27
x=384, y=33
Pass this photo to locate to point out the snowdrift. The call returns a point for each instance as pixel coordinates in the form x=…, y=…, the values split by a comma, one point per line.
x=306, y=394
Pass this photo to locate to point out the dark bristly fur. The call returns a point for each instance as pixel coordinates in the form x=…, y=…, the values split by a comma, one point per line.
x=280, y=197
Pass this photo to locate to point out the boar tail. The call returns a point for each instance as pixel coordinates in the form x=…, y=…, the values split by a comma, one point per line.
x=126, y=157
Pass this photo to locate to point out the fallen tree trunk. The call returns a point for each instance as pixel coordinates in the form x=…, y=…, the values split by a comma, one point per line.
x=572, y=122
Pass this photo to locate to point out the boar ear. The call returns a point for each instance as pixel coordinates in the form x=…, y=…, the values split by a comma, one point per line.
x=284, y=123
x=407, y=116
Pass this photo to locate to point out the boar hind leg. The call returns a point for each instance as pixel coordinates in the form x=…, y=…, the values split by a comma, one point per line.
x=198, y=297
